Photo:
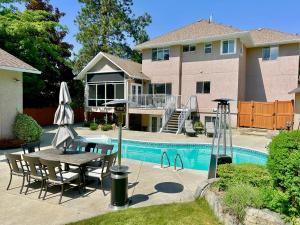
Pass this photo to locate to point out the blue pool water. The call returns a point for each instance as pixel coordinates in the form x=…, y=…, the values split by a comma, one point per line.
x=194, y=156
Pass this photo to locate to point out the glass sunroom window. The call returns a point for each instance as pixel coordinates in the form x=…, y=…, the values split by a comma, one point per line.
x=100, y=94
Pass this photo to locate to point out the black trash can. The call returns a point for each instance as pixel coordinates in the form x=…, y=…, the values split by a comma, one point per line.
x=119, y=187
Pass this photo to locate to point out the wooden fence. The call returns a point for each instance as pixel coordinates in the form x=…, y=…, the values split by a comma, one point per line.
x=268, y=115
x=45, y=116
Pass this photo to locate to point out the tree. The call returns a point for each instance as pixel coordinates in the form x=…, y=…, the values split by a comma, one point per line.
x=36, y=36
x=108, y=25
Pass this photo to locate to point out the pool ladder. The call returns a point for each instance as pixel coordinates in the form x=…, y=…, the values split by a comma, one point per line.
x=165, y=154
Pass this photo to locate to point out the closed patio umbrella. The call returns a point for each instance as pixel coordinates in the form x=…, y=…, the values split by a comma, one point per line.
x=64, y=118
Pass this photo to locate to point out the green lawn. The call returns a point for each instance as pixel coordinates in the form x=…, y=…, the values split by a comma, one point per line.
x=196, y=212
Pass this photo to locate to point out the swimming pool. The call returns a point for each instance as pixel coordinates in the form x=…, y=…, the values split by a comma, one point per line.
x=194, y=156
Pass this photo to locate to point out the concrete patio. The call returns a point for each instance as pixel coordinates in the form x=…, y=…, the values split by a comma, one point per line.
x=149, y=184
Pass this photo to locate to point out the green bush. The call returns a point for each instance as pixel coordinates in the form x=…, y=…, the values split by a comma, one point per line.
x=198, y=126
x=240, y=196
x=93, y=126
x=106, y=127
x=231, y=174
x=275, y=200
x=87, y=123
x=284, y=166
x=26, y=128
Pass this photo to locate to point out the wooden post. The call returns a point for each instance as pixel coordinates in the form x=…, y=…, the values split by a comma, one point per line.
x=275, y=115
x=252, y=112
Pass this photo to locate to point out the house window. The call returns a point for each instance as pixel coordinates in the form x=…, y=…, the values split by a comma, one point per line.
x=160, y=88
x=208, y=48
x=189, y=48
x=228, y=47
x=100, y=94
x=159, y=54
x=270, y=53
x=203, y=87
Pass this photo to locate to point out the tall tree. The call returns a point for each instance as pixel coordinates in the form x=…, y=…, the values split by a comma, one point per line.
x=109, y=26
x=36, y=36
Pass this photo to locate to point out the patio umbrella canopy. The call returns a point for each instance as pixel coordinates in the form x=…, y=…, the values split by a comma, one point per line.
x=64, y=117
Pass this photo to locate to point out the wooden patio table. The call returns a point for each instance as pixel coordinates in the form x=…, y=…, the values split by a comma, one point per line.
x=74, y=158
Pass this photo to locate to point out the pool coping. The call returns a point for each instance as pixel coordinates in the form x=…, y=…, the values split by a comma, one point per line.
x=182, y=143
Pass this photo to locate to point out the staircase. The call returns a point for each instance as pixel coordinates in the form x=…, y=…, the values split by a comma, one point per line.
x=172, y=124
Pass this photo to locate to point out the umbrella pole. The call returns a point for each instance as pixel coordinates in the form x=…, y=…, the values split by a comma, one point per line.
x=120, y=122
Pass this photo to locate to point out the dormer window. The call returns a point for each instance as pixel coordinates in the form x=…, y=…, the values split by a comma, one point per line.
x=159, y=54
x=189, y=48
x=270, y=53
x=228, y=47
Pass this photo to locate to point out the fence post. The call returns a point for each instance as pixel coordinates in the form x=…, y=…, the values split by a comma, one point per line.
x=275, y=115
x=238, y=115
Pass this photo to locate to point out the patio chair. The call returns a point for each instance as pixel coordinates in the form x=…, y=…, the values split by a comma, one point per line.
x=55, y=176
x=35, y=171
x=209, y=128
x=188, y=128
x=103, y=149
x=104, y=170
x=31, y=147
x=17, y=168
x=78, y=145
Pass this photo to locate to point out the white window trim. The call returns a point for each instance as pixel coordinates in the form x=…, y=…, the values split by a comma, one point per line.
x=229, y=53
x=163, y=48
x=269, y=59
x=189, y=51
x=204, y=47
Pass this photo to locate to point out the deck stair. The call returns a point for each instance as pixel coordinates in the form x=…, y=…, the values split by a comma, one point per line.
x=172, y=124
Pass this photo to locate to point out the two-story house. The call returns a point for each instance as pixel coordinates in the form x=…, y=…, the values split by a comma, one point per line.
x=184, y=70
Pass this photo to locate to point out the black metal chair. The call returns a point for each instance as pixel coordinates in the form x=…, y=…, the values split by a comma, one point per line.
x=17, y=168
x=104, y=171
x=31, y=147
x=56, y=176
x=35, y=171
x=103, y=149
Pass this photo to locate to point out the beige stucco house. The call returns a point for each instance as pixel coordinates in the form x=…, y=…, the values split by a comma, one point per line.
x=11, y=90
x=184, y=70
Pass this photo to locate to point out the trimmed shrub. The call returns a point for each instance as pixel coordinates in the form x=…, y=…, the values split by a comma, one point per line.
x=241, y=196
x=198, y=126
x=284, y=166
x=275, y=200
x=26, y=128
x=231, y=174
x=106, y=127
x=93, y=126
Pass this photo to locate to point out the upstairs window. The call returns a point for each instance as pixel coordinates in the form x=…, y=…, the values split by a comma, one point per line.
x=208, y=48
x=189, y=48
x=270, y=53
x=159, y=54
x=203, y=87
x=228, y=47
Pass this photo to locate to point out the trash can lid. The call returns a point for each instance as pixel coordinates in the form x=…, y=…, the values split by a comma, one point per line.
x=119, y=169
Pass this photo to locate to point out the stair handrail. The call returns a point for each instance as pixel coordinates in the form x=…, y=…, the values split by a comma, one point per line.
x=170, y=107
x=186, y=111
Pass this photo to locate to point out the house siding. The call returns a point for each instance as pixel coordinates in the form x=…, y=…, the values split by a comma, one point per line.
x=272, y=79
x=167, y=71
x=11, y=101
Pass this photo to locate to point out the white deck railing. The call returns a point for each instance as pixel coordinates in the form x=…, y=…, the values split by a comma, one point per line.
x=157, y=101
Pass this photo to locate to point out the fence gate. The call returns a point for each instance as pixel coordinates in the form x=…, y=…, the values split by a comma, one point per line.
x=268, y=115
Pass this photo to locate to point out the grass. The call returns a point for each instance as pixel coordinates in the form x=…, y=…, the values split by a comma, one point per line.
x=196, y=212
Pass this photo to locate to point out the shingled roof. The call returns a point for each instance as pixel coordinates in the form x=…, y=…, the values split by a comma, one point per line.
x=205, y=30
x=132, y=69
x=10, y=62
x=196, y=31
x=263, y=36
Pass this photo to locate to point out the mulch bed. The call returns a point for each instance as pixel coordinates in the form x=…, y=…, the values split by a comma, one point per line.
x=10, y=143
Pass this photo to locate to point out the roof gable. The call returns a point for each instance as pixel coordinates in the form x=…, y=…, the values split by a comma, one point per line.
x=129, y=67
x=10, y=62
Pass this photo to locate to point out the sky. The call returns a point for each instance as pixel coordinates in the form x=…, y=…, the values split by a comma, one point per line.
x=168, y=15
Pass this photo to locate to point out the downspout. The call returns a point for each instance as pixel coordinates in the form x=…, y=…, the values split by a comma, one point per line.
x=180, y=75
x=126, y=90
